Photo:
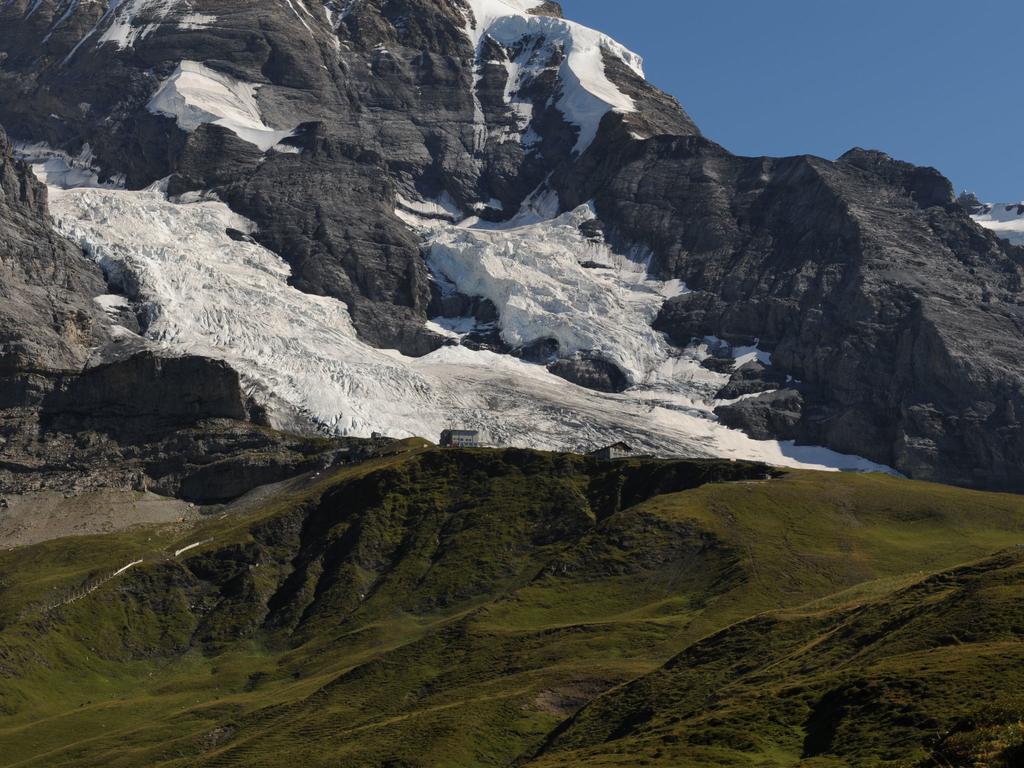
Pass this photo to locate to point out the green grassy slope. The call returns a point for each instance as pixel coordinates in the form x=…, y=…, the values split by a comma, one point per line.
x=930, y=675
x=458, y=608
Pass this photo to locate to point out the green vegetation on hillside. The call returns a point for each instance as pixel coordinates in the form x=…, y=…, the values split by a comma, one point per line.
x=473, y=608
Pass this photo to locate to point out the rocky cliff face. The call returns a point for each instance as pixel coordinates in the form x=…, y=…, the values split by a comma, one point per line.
x=894, y=319
x=47, y=317
x=900, y=320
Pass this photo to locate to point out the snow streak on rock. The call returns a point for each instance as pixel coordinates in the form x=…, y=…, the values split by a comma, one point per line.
x=202, y=292
x=132, y=20
x=126, y=22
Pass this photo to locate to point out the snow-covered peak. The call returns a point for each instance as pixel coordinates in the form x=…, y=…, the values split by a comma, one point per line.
x=587, y=94
x=486, y=12
x=1005, y=219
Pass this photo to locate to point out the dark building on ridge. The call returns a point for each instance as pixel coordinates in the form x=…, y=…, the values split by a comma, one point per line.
x=614, y=451
x=460, y=438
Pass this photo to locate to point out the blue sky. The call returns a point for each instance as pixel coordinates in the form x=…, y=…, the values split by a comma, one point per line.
x=934, y=82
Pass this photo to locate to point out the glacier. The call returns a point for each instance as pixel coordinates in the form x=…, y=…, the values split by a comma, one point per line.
x=1004, y=219
x=197, y=290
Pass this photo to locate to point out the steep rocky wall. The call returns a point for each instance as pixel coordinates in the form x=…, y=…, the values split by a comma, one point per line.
x=47, y=317
x=901, y=319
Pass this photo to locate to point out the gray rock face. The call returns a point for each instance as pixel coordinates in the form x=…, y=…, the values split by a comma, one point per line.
x=868, y=283
x=751, y=378
x=388, y=98
x=144, y=397
x=767, y=416
x=591, y=372
x=47, y=317
x=176, y=426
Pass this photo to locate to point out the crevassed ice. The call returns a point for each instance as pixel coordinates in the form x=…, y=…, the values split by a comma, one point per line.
x=206, y=293
x=534, y=274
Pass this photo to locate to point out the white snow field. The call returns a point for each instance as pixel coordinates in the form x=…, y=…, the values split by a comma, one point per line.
x=195, y=94
x=205, y=293
x=1006, y=220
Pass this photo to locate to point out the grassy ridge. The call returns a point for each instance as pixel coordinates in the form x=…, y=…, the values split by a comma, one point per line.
x=928, y=675
x=459, y=608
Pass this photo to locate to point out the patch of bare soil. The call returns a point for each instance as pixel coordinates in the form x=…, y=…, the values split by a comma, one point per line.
x=44, y=515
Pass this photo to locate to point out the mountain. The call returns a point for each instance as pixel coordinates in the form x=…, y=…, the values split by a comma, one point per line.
x=253, y=253
x=397, y=216
x=482, y=607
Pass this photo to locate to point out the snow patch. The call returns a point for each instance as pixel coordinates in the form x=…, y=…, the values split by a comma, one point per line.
x=124, y=30
x=124, y=568
x=58, y=168
x=742, y=355
x=179, y=552
x=422, y=211
x=196, y=21
x=196, y=95
x=112, y=303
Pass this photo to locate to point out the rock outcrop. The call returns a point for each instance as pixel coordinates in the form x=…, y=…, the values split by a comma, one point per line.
x=47, y=317
x=145, y=396
x=863, y=277
x=591, y=372
x=752, y=378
